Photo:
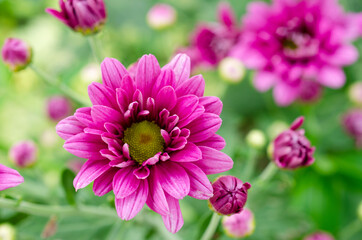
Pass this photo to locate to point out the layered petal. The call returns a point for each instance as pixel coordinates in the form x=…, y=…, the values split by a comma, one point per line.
x=112, y=72
x=214, y=161
x=200, y=186
x=69, y=127
x=90, y=170
x=173, y=220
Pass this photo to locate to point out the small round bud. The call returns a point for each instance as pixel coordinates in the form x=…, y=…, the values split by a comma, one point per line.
x=230, y=195
x=352, y=123
x=23, y=154
x=319, y=236
x=161, y=16
x=256, y=139
x=16, y=54
x=239, y=225
x=276, y=128
x=58, y=107
x=232, y=70
x=355, y=93
x=292, y=149
x=7, y=232
x=359, y=211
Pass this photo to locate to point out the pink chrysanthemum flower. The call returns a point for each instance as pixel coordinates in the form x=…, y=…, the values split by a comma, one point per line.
x=16, y=54
x=58, y=107
x=150, y=138
x=293, y=41
x=9, y=178
x=85, y=16
x=23, y=154
x=239, y=225
x=212, y=42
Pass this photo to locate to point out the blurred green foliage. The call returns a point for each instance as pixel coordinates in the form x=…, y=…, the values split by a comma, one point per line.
x=324, y=196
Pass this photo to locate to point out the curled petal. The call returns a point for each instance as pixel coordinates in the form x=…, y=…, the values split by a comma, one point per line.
x=9, y=178
x=69, y=127
x=125, y=182
x=200, y=186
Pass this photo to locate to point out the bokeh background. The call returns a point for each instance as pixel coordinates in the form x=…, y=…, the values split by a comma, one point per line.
x=324, y=196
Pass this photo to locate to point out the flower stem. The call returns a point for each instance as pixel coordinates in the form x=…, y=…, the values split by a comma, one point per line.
x=350, y=230
x=211, y=228
x=250, y=164
x=43, y=210
x=93, y=43
x=267, y=173
x=62, y=87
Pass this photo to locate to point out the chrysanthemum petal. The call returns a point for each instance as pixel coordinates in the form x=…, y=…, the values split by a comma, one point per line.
x=84, y=116
x=200, y=185
x=128, y=207
x=166, y=78
x=156, y=198
x=284, y=94
x=125, y=182
x=214, y=161
x=147, y=72
x=199, y=110
x=189, y=153
x=90, y=170
x=9, y=177
x=204, y=127
x=85, y=145
x=211, y=104
x=332, y=77
x=173, y=220
x=102, y=114
x=100, y=94
x=173, y=178
x=112, y=72
x=103, y=184
x=181, y=66
x=166, y=98
x=185, y=106
x=69, y=127
x=195, y=85
x=215, y=141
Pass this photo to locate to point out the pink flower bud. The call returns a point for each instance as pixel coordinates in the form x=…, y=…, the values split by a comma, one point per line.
x=292, y=149
x=58, y=107
x=319, y=236
x=161, y=16
x=310, y=91
x=239, y=225
x=9, y=178
x=85, y=16
x=355, y=93
x=23, y=154
x=352, y=122
x=230, y=195
x=16, y=54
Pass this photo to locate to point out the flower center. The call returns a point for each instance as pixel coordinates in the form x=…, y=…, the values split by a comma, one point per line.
x=144, y=140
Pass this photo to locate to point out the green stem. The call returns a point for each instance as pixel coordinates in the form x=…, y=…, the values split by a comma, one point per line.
x=62, y=87
x=43, y=210
x=250, y=164
x=267, y=173
x=350, y=230
x=93, y=43
x=210, y=230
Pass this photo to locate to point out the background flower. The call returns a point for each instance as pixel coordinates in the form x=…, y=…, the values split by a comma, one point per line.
x=16, y=53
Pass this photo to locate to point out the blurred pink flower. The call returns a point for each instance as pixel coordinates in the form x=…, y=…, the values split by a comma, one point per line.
x=151, y=139
x=293, y=41
x=161, y=16
x=16, y=54
x=239, y=225
x=85, y=16
x=319, y=236
x=292, y=149
x=23, y=153
x=352, y=122
x=9, y=178
x=230, y=195
x=58, y=107
x=213, y=41
x=309, y=91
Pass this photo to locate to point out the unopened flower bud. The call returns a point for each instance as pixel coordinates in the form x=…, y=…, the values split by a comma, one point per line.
x=355, y=93
x=85, y=16
x=319, y=236
x=7, y=232
x=292, y=149
x=23, y=154
x=239, y=225
x=58, y=107
x=161, y=16
x=256, y=139
x=230, y=195
x=231, y=70
x=310, y=91
x=359, y=211
x=352, y=123
x=16, y=54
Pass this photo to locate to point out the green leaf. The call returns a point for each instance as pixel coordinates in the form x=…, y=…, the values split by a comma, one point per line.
x=67, y=183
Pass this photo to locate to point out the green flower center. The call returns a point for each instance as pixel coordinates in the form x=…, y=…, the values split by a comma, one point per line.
x=144, y=140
